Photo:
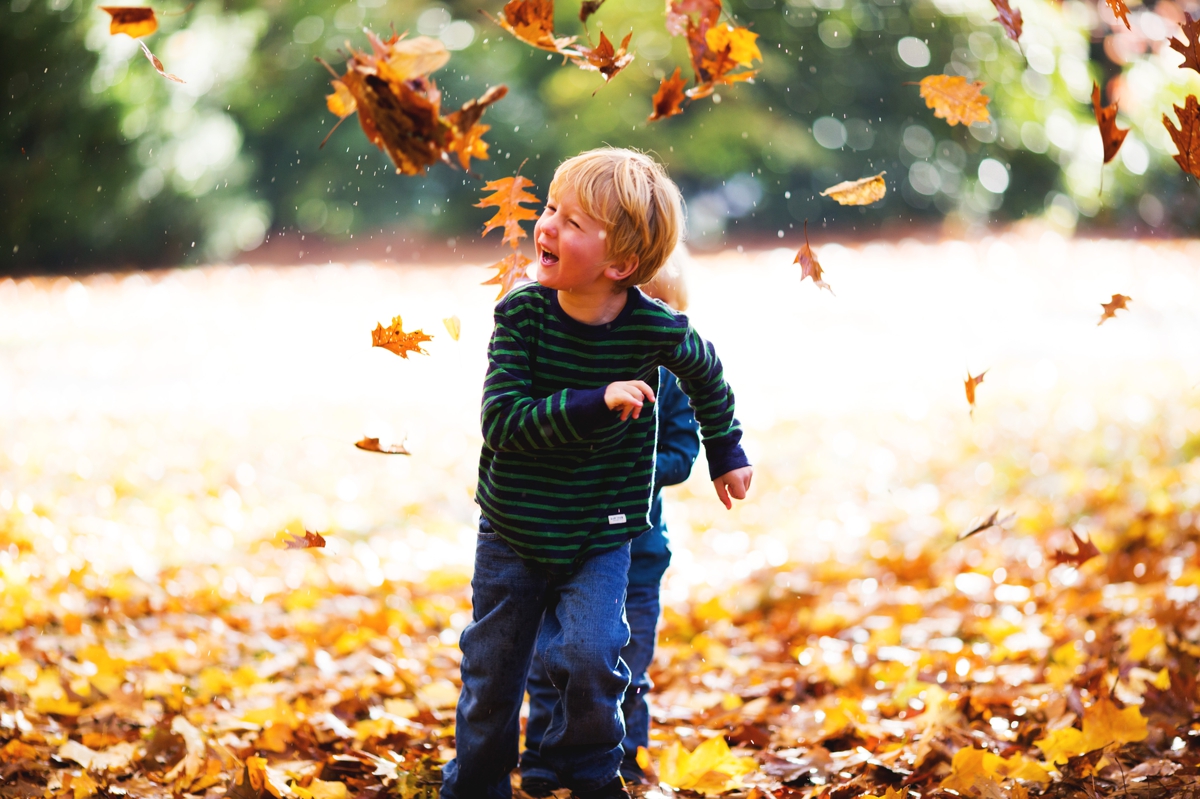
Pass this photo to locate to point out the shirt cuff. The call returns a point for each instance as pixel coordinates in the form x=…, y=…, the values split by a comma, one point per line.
x=586, y=409
x=725, y=454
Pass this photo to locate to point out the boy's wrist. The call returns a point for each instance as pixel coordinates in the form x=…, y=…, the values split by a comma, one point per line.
x=725, y=454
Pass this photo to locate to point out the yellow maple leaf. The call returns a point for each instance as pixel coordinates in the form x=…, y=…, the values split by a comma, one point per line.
x=1059, y=746
x=84, y=786
x=1104, y=724
x=968, y=765
x=320, y=789
x=1143, y=641
x=742, y=48
x=710, y=768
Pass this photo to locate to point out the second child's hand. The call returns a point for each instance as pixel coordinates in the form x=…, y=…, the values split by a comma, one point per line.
x=628, y=396
x=733, y=484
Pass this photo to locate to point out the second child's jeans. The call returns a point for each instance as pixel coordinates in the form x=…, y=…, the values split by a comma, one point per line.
x=577, y=624
x=641, y=609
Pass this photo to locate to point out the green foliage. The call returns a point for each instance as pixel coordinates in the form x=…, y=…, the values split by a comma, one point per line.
x=233, y=154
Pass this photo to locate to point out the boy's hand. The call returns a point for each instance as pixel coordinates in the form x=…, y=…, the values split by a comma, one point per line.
x=735, y=484
x=627, y=395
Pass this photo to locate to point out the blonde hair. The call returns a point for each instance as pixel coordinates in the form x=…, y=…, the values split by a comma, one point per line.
x=630, y=194
x=668, y=284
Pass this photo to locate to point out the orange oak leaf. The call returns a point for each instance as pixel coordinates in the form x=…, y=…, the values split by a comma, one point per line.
x=1111, y=307
x=158, y=64
x=512, y=270
x=969, y=384
x=717, y=50
x=1084, y=551
x=668, y=100
x=507, y=195
x=134, y=21
x=606, y=59
x=810, y=267
x=1009, y=18
x=955, y=99
x=1187, y=135
x=373, y=445
x=309, y=541
x=863, y=191
x=587, y=8
x=399, y=106
x=1191, y=50
x=1120, y=11
x=393, y=338
x=1106, y=118
x=532, y=21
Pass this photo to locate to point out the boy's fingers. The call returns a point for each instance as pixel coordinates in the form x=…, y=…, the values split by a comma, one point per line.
x=722, y=494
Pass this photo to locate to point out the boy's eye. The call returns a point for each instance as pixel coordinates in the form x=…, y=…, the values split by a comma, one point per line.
x=576, y=224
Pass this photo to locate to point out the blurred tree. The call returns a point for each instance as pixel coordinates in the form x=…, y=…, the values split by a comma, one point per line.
x=230, y=158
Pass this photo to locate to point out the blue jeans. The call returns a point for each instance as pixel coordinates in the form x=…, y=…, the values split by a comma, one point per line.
x=641, y=609
x=577, y=624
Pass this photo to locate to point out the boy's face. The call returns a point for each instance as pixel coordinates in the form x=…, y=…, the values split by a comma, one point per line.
x=571, y=250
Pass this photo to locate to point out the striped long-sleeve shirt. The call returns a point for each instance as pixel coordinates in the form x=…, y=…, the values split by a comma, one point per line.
x=561, y=477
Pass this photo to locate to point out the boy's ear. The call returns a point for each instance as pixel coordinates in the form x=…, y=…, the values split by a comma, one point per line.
x=618, y=271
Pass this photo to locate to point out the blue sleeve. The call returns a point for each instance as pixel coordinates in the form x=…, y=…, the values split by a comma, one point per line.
x=678, y=434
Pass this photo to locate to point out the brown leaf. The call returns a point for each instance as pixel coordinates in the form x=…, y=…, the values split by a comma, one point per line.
x=588, y=8
x=512, y=271
x=668, y=99
x=715, y=51
x=133, y=21
x=992, y=521
x=1009, y=18
x=810, y=267
x=970, y=383
x=373, y=445
x=507, y=195
x=310, y=540
x=1187, y=136
x=1085, y=551
x=532, y=21
x=955, y=99
x=1120, y=11
x=393, y=338
x=1111, y=307
x=1191, y=50
x=1106, y=118
x=466, y=129
x=679, y=14
x=158, y=64
x=603, y=58
x=863, y=191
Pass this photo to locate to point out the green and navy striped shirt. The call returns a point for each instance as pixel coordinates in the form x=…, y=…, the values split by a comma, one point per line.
x=561, y=477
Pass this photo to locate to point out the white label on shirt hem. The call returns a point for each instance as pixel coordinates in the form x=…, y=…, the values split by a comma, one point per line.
x=616, y=518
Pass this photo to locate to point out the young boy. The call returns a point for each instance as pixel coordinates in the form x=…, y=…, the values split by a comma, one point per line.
x=566, y=472
x=676, y=448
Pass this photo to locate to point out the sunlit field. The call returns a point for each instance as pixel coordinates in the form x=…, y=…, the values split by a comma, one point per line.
x=159, y=433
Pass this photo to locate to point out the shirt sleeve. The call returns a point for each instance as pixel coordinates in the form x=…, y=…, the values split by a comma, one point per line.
x=694, y=361
x=678, y=434
x=513, y=419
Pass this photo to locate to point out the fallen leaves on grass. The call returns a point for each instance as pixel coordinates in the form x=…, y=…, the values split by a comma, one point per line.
x=1191, y=50
x=863, y=191
x=393, y=338
x=810, y=267
x=1117, y=303
x=373, y=445
x=955, y=99
x=1187, y=135
x=133, y=21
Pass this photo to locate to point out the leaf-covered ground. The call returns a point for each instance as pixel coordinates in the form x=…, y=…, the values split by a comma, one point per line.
x=161, y=435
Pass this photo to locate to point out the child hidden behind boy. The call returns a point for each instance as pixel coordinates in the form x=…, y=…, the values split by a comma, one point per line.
x=566, y=473
x=676, y=448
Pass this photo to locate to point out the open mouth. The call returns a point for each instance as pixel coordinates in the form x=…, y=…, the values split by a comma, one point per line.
x=548, y=258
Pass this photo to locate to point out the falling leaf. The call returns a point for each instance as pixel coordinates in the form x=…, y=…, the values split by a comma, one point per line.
x=158, y=64
x=992, y=521
x=587, y=8
x=740, y=42
x=507, y=195
x=679, y=14
x=810, y=267
x=606, y=60
x=133, y=21
x=669, y=98
x=1191, y=50
x=341, y=102
x=714, y=48
x=1009, y=18
x=373, y=445
x=969, y=384
x=466, y=129
x=1106, y=118
x=532, y=21
x=309, y=541
x=394, y=339
x=1187, y=136
x=405, y=59
x=1118, y=302
x=955, y=99
x=1120, y=11
x=863, y=191
x=1085, y=551
x=512, y=271
x=453, y=326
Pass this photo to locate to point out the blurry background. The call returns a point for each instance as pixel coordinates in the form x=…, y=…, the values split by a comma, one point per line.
x=106, y=165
